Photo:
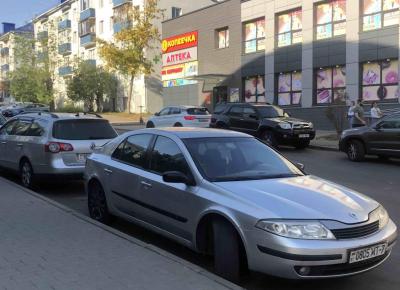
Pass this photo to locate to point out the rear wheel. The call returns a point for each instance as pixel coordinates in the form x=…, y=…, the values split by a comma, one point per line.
x=268, y=137
x=26, y=174
x=150, y=124
x=228, y=255
x=355, y=151
x=97, y=203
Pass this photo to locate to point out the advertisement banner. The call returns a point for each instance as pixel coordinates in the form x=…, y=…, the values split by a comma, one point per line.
x=180, y=42
x=180, y=71
x=179, y=57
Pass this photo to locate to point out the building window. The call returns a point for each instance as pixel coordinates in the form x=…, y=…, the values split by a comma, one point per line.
x=380, y=80
x=101, y=27
x=85, y=4
x=86, y=27
x=91, y=54
x=331, y=84
x=176, y=12
x=289, y=88
x=380, y=13
x=222, y=37
x=254, y=89
x=254, y=36
x=290, y=28
x=331, y=19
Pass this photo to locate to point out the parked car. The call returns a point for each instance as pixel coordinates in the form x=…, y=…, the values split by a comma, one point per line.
x=12, y=111
x=267, y=122
x=41, y=144
x=3, y=120
x=228, y=194
x=381, y=138
x=180, y=116
x=35, y=108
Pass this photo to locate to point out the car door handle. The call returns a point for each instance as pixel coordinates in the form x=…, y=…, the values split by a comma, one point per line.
x=146, y=184
x=108, y=171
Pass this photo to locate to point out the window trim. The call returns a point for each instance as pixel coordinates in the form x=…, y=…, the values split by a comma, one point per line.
x=244, y=41
x=291, y=31
x=381, y=12
x=332, y=89
x=291, y=92
x=333, y=22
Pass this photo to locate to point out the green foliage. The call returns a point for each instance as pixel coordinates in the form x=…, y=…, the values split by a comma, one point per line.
x=127, y=53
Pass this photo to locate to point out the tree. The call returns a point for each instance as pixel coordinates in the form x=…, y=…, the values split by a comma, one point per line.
x=127, y=54
x=90, y=84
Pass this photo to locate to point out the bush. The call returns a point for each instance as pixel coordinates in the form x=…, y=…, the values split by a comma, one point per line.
x=70, y=108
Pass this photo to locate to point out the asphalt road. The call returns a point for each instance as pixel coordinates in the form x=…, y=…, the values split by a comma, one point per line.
x=380, y=180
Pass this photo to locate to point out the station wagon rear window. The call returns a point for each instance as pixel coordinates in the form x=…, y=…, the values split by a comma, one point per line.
x=198, y=111
x=83, y=130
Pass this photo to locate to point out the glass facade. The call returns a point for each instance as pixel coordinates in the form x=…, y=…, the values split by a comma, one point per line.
x=290, y=28
x=331, y=84
x=254, y=89
x=289, y=88
x=330, y=19
x=380, y=13
x=254, y=36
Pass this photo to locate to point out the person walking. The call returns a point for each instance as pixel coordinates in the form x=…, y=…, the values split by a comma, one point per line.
x=358, y=119
x=350, y=113
x=376, y=112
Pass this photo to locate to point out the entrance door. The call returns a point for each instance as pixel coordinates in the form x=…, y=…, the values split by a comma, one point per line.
x=220, y=95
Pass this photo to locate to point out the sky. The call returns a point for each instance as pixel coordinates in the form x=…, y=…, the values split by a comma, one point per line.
x=22, y=11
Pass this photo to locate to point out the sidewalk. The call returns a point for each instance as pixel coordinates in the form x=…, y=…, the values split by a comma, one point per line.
x=44, y=245
x=326, y=140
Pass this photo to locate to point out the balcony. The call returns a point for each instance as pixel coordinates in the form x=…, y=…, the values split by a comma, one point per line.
x=65, y=70
x=120, y=26
x=120, y=2
x=65, y=24
x=88, y=13
x=4, y=51
x=88, y=40
x=5, y=68
x=42, y=35
x=64, y=48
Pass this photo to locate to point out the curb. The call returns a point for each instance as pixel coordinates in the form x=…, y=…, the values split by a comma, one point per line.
x=324, y=148
x=154, y=249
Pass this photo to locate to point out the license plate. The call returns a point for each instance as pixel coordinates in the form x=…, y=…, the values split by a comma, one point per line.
x=204, y=120
x=367, y=253
x=304, y=136
x=82, y=158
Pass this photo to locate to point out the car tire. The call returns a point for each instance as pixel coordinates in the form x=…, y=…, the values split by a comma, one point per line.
x=227, y=251
x=97, y=203
x=178, y=125
x=26, y=174
x=302, y=145
x=150, y=125
x=355, y=151
x=268, y=137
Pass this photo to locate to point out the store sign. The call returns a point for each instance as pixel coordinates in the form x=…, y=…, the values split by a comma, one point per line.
x=178, y=57
x=180, y=42
x=180, y=71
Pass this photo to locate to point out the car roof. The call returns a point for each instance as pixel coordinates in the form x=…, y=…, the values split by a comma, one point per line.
x=61, y=116
x=188, y=133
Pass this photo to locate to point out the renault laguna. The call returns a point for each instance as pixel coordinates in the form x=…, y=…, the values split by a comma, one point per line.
x=229, y=195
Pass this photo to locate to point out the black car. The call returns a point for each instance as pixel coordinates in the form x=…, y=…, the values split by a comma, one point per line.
x=267, y=122
x=381, y=139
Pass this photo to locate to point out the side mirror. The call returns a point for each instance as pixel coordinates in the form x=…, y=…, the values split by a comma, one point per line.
x=300, y=166
x=178, y=177
x=286, y=114
x=157, y=114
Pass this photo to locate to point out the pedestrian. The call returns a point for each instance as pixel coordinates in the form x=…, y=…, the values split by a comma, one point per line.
x=350, y=113
x=376, y=113
x=358, y=119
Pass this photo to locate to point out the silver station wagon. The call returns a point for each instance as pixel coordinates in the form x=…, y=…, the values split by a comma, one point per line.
x=41, y=144
x=229, y=195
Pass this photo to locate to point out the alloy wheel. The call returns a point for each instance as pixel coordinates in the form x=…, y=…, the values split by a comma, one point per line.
x=26, y=174
x=97, y=203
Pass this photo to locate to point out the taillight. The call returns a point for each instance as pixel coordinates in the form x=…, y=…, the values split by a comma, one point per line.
x=190, y=118
x=56, y=147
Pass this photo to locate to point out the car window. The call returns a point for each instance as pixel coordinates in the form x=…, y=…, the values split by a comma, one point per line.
x=83, y=129
x=390, y=123
x=35, y=130
x=175, y=111
x=164, y=112
x=21, y=127
x=249, y=111
x=8, y=128
x=134, y=150
x=198, y=111
x=236, y=111
x=219, y=109
x=271, y=112
x=166, y=156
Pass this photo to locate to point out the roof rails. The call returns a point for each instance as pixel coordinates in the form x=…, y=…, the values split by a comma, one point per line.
x=54, y=116
x=87, y=113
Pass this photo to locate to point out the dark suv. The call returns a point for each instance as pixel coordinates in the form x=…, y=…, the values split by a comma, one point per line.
x=381, y=138
x=268, y=122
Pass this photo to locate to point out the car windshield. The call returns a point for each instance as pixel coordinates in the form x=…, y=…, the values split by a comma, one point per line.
x=271, y=112
x=238, y=158
x=83, y=130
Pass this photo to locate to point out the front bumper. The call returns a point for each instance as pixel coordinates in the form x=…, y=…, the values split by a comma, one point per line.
x=283, y=257
x=293, y=136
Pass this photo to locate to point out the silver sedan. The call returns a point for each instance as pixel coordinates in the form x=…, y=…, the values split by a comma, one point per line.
x=229, y=195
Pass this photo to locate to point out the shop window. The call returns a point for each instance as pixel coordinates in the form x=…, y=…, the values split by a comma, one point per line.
x=380, y=13
x=254, y=36
x=289, y=88
x=331, y=84
x=254, y=89
x=223, y=38
x=330, y=19
x=290, y=28
x=380, y=80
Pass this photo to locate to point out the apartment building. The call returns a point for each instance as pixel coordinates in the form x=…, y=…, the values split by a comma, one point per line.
x=7, y=59
x=74, y=25
x=303, y=55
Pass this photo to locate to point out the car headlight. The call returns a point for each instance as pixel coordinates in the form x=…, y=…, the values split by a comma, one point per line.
x=285, y=126
x=311, y=126
x=382, y=215
x=307, y=230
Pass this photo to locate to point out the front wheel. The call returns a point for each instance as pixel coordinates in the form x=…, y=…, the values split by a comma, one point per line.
x=355, y=151
x=150, y=125
x=97, y=204
x=268, y=137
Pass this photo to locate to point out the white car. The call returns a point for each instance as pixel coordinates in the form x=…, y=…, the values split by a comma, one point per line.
x=181, y=116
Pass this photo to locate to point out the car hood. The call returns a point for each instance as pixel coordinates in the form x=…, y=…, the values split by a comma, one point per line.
x=287, y=120
x=305, y=197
